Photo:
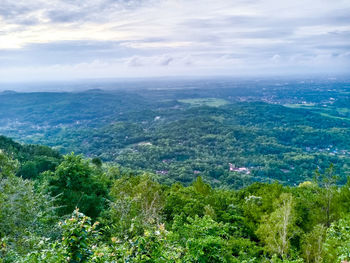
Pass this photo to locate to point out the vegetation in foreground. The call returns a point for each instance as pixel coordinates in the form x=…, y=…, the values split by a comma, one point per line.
x=81, y=210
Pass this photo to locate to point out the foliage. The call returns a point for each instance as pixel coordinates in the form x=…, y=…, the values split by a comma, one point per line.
x=136, y=204
x=203, y=239
x=152, y=246
x=337, y=243
x=278, y=228
x=8, y=166
x=29, y=160
x=313, y=244
x=143, y=220
x=78, y=236
x=282, y=133
x=78, y=186
x=27, y=214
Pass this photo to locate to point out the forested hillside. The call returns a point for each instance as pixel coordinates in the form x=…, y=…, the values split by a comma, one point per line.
x=231, y=134
x=83, y=210
x=32, y=159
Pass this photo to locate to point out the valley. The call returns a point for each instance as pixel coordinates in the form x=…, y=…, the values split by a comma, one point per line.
x=177, y=130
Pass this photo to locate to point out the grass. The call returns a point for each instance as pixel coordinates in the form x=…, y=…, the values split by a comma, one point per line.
x=304, y=105
x=343, y=110
x=326, y=112
x=334, y=117
x=211, y=102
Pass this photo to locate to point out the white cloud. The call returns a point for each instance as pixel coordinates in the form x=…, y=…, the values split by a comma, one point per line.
x=159, y=37
x=276, y=58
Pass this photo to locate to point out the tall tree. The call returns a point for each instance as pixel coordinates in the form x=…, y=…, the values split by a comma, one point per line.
x=8, y=166
x=337, y=243
x=278, y=228
x=74, y=180
x=328, y=193
x=312, y=244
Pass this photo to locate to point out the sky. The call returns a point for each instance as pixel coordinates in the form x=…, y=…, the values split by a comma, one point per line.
x=81, y=39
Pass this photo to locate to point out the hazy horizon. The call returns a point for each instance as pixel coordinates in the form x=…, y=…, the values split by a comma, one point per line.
x=67, y=40
x=166, y=82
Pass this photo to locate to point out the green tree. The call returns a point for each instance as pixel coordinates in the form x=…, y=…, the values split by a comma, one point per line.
x=203, y=239
x=312, y=244
x=78, y=243
x=8, y=166
x=78, y=186
x=153, y=246
x=97, y=161
x=27, y=215
x=136, y=204
x=337, y=243
x=78, y=237
x=278, y=228
x=328, y=193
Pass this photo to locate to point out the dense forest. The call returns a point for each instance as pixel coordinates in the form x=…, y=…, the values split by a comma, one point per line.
x=228, y=132
x=71, y=209
x=200, y=171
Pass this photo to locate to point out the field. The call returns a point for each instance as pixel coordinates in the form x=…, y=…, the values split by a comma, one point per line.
x=210, y=102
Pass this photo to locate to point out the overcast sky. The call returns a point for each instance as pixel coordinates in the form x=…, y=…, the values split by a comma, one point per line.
x=70, y=39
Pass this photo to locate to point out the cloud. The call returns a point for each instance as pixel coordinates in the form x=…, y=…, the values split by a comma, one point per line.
x=166, y=60
x=157, y=37
x=276, y=58
x=65, y=52
x=135, y=62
